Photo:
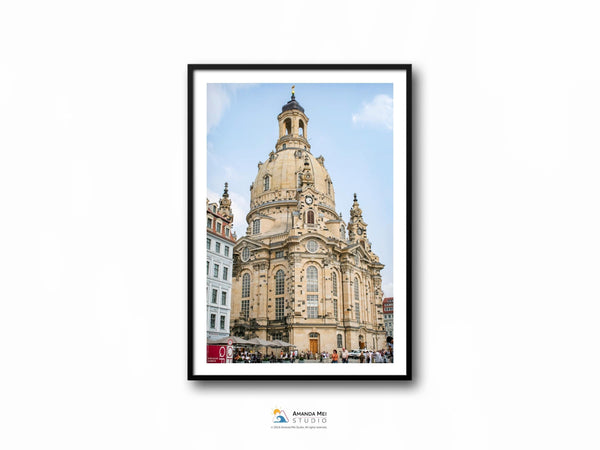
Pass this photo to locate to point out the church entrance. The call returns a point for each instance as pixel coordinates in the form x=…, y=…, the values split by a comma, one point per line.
x=314, y=342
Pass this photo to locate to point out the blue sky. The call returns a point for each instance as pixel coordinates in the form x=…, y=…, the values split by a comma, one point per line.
x=349, y=124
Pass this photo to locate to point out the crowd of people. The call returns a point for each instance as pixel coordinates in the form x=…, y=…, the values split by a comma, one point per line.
x=245, y=356
x=365, y=356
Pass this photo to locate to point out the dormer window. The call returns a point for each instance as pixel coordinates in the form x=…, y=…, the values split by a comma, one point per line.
x=266, y=182
x=256, y=226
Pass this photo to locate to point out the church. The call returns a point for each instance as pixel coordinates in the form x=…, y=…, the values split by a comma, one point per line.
x=302, y=274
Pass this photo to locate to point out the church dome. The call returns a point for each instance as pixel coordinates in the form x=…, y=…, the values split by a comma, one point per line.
x=283, y=169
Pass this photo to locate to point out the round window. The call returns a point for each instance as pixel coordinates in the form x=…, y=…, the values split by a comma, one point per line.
x=245, y=254
x=312, y=246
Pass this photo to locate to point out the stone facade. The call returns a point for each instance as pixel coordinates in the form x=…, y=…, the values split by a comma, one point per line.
x=301, y=273
x=219, y=266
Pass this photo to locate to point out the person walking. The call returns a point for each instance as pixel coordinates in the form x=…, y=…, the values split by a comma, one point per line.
x=361, y=358
x=344, y=355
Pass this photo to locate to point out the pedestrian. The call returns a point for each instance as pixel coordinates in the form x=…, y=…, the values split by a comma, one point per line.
x=334, y=356
x=344, y=355
x=361, y=358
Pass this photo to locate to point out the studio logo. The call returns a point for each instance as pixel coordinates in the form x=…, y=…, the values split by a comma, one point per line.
x=299, y=419
x=279, y=416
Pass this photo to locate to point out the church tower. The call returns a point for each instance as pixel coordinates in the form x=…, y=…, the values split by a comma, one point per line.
x=225, y=205
x=297, y=276
x=357, y=228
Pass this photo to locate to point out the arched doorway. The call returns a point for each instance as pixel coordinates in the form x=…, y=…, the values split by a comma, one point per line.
x=313, y=342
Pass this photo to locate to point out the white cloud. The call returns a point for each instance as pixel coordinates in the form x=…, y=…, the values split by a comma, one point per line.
x=378, y=112
x=219, y=98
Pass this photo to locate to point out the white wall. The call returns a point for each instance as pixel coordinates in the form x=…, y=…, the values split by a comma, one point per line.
x=93, y=263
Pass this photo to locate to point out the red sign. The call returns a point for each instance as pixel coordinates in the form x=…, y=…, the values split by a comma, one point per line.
x=216, y=353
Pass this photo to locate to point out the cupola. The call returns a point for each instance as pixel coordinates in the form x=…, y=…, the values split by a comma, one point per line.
x=292, y=126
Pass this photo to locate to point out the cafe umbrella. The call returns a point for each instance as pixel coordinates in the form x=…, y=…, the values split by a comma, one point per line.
x=281, y=343
x=234, y=339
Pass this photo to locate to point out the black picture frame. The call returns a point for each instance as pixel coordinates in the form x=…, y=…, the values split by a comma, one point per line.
x=193, y=297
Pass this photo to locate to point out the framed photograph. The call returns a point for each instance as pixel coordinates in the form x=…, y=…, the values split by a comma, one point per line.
x=299, y=222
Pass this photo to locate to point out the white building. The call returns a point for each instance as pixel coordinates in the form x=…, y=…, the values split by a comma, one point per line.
x=219, y=263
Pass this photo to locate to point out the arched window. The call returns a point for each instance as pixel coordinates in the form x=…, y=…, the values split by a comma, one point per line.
x=340, y=343
x=288, y=126
x=267, y=181
x=310, y=217
x=279, y=282
x=313, y=335
x=301, y=128
x=312, y=284
x=334, y=283
x=256, y=226
x=356, y=291
x=246, y=285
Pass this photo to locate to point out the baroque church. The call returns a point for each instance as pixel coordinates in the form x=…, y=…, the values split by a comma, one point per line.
x=301, y=274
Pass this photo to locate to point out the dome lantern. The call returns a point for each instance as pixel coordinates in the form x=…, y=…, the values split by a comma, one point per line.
x=292, y=126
